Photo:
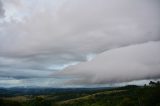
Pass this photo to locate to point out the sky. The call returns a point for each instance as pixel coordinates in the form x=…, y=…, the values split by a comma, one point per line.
x=79, y=43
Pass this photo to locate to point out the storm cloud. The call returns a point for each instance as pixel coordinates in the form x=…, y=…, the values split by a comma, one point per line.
x=48, y=37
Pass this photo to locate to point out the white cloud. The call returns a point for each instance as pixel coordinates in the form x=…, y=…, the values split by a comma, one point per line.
x=130, y=63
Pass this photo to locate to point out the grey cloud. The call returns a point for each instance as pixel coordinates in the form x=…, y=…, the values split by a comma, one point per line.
x=1, y=9
x=130, y=63
x=31, y=82
x=34, y=66
x=23, y=73
x=79, y=28
x=45, y=36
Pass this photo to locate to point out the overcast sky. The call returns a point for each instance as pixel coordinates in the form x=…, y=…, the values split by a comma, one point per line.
x=63, y=43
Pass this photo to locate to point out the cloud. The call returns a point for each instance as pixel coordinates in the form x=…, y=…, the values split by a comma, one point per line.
x=38, y=37
x=1, y=9
x=30, y=82
x=124, y=64
x=76, y=26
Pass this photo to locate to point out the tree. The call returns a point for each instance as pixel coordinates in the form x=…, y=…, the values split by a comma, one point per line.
x=151, y=83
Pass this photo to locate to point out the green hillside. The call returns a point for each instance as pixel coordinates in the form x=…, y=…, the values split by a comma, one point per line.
x=123, y=96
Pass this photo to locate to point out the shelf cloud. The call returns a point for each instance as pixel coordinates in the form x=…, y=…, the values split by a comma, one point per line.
x=124, y=64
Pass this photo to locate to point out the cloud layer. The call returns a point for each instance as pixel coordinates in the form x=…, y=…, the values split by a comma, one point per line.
x=47, y=36
x=1, y=9
x=130, y=63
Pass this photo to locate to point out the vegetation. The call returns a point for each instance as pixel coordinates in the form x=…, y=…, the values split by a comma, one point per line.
x=148, y=95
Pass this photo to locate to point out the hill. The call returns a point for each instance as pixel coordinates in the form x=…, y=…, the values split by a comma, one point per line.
x=122, y=96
